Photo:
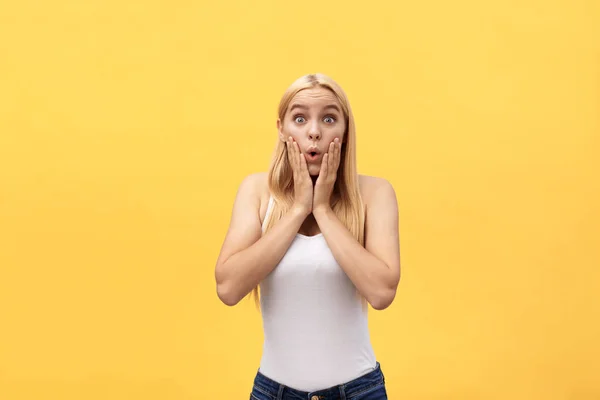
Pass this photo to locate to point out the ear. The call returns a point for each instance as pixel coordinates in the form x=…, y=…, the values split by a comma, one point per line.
x=280, y=130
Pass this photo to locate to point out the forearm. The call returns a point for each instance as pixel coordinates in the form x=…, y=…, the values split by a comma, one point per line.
x=244, y=270
x=371, y=276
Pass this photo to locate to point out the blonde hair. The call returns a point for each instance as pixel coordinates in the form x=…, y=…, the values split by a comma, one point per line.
x=349, y=207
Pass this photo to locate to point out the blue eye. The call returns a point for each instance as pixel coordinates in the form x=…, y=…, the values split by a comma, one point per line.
x=329, y=120
x=299, y=120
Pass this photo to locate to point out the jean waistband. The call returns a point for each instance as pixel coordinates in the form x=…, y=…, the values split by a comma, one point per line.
x=341, y=391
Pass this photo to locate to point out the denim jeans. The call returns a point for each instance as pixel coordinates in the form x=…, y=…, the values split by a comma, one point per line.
x=370, y=386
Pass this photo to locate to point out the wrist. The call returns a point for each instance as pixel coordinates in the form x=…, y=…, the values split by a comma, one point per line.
x=320, y=211
x=300, y=211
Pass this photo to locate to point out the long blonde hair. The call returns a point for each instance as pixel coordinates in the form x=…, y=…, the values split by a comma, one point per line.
x=349, y=207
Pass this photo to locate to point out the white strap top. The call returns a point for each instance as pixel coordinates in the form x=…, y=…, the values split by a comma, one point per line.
x=316, y=331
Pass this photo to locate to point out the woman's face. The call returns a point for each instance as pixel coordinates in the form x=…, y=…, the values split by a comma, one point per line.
x=314, y=118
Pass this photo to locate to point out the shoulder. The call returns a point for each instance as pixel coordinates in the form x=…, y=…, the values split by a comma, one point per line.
x=257, y=186
x=251, y=187
x=256, y=181
x=379, y=199
x=372, y=187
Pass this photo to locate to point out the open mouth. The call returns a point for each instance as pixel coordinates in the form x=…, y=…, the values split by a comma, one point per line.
x=312, y=155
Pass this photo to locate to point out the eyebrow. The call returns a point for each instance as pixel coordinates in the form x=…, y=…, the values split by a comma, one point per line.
x=302, y=106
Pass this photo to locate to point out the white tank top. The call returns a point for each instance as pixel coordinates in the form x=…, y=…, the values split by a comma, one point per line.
x=316, y=332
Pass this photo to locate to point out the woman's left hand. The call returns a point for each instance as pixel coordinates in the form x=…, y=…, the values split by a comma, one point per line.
x=327, y=176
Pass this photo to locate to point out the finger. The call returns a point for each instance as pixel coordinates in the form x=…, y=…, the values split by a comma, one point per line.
x=324, y=164
x=291, y=153
x=331, y=161
x=303, y=165
x=338, y=153
x=298, y=155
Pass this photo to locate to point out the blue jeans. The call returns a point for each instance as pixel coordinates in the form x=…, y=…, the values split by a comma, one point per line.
x=370, y=386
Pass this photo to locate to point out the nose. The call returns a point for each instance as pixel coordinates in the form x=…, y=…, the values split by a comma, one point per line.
x=314, y=133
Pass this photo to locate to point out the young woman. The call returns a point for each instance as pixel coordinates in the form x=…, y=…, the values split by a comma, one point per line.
x=320, y=241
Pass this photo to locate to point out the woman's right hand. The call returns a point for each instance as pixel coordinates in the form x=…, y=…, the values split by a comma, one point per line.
x=303, y=185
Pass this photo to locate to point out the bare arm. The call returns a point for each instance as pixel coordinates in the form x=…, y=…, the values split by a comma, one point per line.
x=246, y=257
x=375, y=268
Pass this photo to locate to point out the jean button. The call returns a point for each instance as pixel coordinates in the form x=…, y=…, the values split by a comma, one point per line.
x=314, y=398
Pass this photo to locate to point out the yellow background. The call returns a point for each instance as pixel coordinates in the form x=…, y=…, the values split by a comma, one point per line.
x=126, y=127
